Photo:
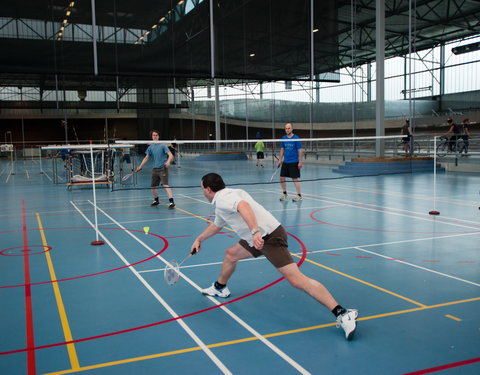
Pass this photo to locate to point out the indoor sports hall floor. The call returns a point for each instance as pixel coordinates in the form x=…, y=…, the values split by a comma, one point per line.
x=70, y=307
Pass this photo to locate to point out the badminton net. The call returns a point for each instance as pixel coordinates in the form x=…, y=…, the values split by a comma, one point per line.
x=323, y=159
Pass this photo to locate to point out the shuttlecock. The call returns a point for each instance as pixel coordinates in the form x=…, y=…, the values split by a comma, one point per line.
x=146, y=229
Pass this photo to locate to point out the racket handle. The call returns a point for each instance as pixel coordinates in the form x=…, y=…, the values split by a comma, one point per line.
x=193, y=252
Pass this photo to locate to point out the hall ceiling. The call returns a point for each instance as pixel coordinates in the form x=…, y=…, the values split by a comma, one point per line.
x=435, y=22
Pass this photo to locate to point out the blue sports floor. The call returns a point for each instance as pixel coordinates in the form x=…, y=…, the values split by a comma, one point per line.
x=68, y=307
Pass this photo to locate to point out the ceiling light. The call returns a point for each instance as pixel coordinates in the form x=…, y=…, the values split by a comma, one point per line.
x=315, y=31
x=466, y=48
x=68, y=12
x=154, y=26
x=252, y=55
x=65, y=21
x=71, y=4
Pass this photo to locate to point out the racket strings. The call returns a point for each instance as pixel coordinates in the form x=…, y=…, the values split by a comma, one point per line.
x=172, y=273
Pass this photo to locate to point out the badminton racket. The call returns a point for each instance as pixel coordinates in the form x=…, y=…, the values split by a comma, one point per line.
x=172, y=270
x=274, y=173
x=127, y=176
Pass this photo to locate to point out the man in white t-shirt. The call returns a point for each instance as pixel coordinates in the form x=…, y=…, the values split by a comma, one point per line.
x=260, y=234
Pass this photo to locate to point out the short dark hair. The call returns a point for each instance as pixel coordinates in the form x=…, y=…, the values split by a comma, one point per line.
x=213, y=181
x=450, y=120
x=154, y=131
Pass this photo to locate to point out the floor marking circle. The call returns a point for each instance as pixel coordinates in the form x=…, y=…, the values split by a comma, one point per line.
x=15, y=250
x=165, y=246
x=300, y=262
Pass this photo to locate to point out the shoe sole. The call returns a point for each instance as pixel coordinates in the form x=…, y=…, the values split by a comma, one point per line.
x=215, y=295
x=351, y=334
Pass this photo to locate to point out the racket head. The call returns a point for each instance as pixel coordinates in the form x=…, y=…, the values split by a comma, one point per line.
x=171, y=272
x=126, y=177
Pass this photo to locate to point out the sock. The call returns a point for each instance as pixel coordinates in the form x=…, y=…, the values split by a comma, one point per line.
x=338, y=310
x=155, y=199
x=170, y=200
x=285, y=192
x=219, y=286
x=299, y=194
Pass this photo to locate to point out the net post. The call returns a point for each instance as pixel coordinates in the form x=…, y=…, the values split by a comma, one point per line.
x=97, y=241
x=40, y=159
x=434, y=211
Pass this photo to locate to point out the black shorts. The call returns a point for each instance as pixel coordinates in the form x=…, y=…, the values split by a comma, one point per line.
x=126, y=159
x=275, y=248
x=159, y=175
x=290, y=170
x=260, y=155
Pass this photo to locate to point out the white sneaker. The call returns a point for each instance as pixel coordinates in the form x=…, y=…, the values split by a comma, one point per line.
x=348, y=323
x=284, y=197
x=214, y=292
x=297, y=198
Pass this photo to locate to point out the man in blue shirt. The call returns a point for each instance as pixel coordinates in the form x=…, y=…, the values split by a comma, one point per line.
x=162, y=159
x=291, y=155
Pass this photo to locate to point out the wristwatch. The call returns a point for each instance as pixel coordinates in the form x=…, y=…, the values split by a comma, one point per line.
x=253, y=231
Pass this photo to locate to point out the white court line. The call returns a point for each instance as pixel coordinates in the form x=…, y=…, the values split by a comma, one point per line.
x=417, y=266
x=280, y=209
x=202, y=265
x=398, y=242
x=402, y=195
x=274, y=348
x=151, y=220
x=46, y=174
x=187, y=329
x=394, y=211
x=8, y=176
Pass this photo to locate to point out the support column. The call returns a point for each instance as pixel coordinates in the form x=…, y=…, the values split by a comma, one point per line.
x=380, y=92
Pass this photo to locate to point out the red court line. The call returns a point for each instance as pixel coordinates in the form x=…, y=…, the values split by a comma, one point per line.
x=302, y=259
x=100, y=272
x=28, y=299
x=444, y=367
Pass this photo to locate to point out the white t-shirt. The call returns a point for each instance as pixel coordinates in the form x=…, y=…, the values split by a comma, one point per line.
x=226, y=203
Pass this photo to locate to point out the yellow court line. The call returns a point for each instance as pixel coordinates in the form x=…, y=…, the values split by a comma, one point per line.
x=364, y=282
x=453, y=317
x=330, y=269
x=202, y=218
x=72, y=353
x=254, y=338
